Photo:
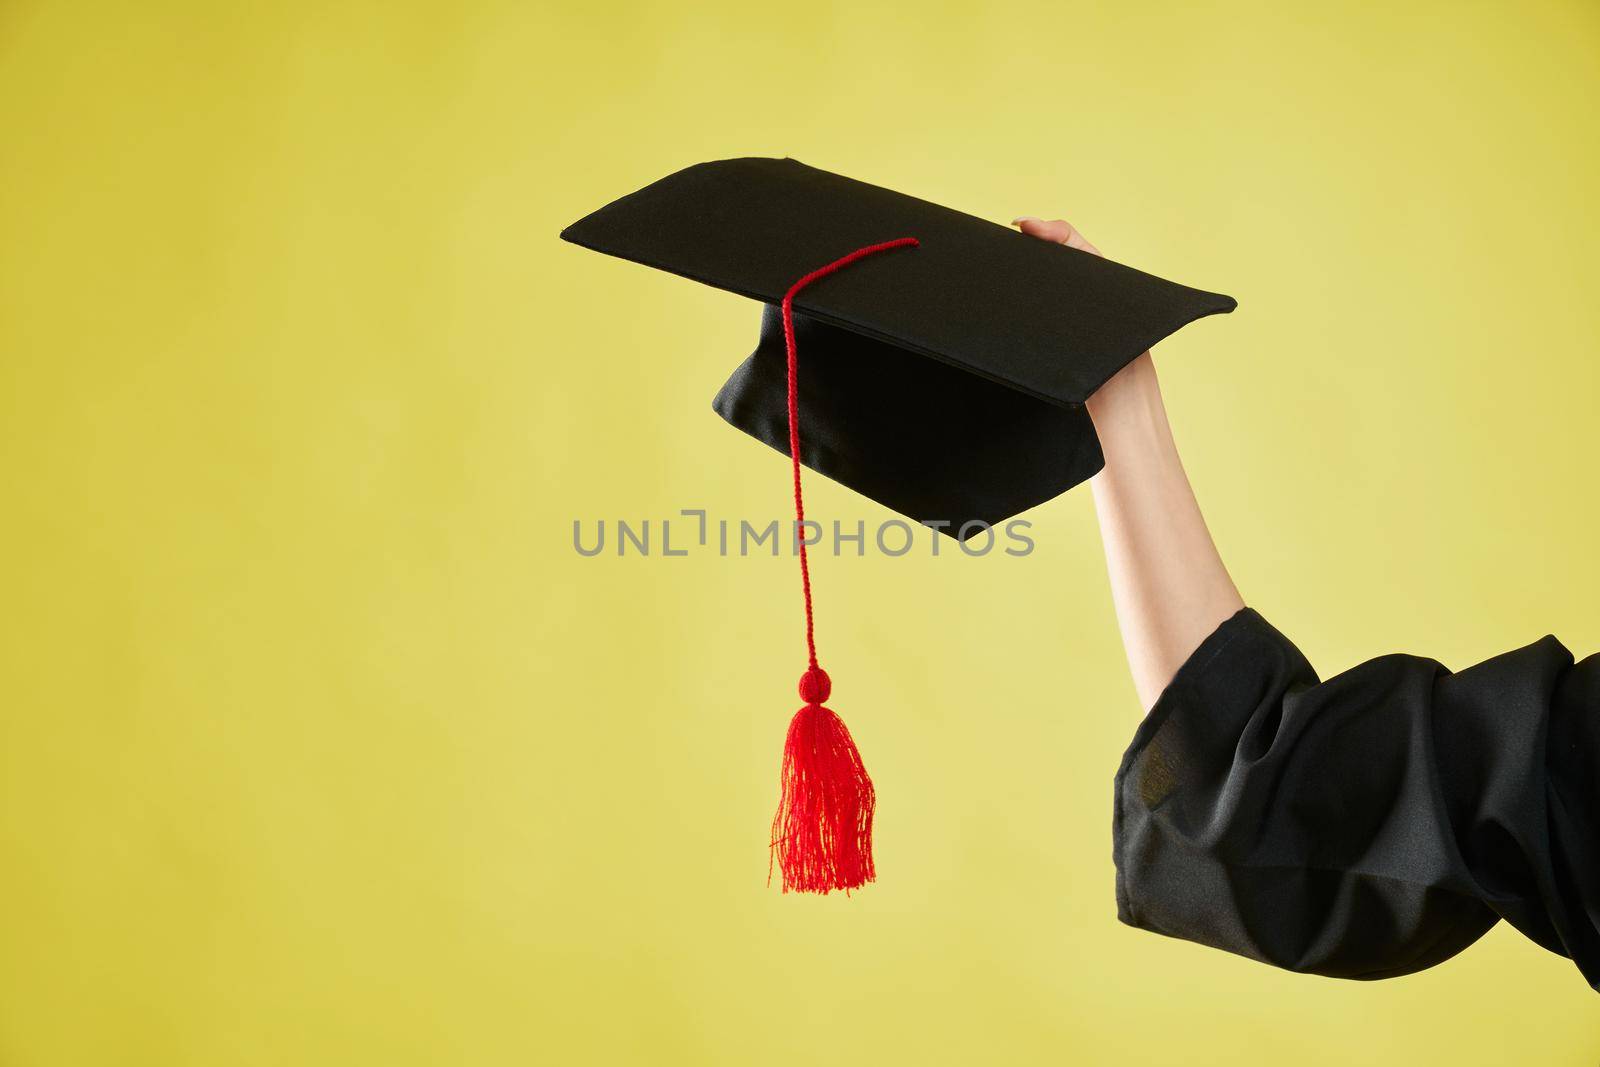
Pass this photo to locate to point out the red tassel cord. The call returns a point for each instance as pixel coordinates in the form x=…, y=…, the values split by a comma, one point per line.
x=822, y=832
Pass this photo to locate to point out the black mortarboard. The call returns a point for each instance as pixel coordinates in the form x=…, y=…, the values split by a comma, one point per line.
x=947, y=383
x=947, y=360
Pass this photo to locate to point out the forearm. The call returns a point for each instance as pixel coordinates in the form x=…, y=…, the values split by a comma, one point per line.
x=1168, y=582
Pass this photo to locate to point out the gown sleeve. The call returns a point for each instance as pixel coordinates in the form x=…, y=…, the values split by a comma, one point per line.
x=1370, y=825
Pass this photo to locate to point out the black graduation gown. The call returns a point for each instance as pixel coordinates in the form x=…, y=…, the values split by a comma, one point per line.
x=1370, y=825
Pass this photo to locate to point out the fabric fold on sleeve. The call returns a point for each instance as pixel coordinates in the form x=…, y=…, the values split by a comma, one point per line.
x=1370, y=825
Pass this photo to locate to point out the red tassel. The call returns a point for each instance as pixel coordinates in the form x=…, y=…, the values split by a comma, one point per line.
x=822, y=833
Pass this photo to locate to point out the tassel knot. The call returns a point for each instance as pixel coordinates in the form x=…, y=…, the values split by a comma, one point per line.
x=815, y=685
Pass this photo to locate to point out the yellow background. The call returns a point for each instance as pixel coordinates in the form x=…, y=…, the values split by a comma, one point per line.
x=322, y=745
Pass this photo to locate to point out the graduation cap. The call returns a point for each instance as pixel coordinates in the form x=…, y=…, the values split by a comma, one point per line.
x=947, y=362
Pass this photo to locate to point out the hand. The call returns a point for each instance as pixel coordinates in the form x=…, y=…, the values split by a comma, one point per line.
x=1130, y=390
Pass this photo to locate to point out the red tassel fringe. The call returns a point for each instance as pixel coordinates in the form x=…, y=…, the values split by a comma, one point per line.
x=822, y=833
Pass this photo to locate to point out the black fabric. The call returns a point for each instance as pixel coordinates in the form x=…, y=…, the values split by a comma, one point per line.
x=903, y=431
x=1048, y=322
x=1370, y=825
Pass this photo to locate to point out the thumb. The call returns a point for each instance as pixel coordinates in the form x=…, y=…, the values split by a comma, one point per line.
x=1058, y=230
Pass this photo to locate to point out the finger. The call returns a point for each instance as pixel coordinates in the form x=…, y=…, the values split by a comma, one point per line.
x=1058, y=230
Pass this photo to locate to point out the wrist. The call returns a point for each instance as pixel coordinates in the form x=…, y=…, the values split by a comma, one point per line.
x=1129, y=399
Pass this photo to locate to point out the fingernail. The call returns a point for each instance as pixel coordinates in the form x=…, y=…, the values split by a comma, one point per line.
x=1020, y=219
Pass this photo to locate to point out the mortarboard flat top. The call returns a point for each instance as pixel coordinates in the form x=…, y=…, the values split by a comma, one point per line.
x=946, y=382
